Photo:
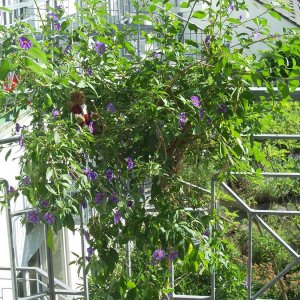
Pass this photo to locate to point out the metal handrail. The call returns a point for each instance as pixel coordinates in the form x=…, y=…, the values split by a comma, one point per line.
x=60, y=287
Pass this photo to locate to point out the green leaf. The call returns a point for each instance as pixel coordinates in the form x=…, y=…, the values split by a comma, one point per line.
x=5, y=9
x=130, y=284
x=69, y=222
x=199, y=15
x=184, y=5
x=50, y=242
x=152, y=8
x=82, y=84
x=7, y=154
x=275, y=15
x=129, y=48
x=56, y=137
x=37, y=54
x=49, y=173
x=193, y=27
x=192, y=43
x=284, y=89
x=233, y=20
x=50, y=189
x=168, y=6
x=4, y=69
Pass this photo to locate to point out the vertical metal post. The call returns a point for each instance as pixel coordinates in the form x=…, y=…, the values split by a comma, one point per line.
x=26, y=283
x=172, y=280
x=11, y=245
x=138, y=42
x=85, y=281
x=51, y=287
x=128, y=259
x=213, y=206
x=249, y=272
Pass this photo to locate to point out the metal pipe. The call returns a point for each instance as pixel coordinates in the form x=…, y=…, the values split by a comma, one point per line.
x=196, y=187
x=128, y=259
x=172, y=279
x=85, y=282
x=21, y=212
x=249, y=272
x=280, y=175
x=26, y=283
x=276, y=236
x=237, y=198
x=34, y=297
x=51, y=286
x=278, y=212
x=268, y=174
x=188, y=297
x=276, y=278
x=213, y=206
x=9, y=140
x=68, y=292
x=260, y=137
x=10, y=243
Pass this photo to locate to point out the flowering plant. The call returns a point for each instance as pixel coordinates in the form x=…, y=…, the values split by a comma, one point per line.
x=156, y=108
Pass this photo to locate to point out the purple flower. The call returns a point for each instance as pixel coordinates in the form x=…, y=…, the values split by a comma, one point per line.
x=99, y=198
x=52, y=16
x=18, y=127
x=223, y=108
x=92, y=175
x=201, y=113
x=26, y=180
x=20, y=140
x=228, y=45
x=113, y=197
x=109, y=175
x=25, y=43
x=207, y=40
x=155, y=54
x=231, y=7
x=240, y=17
x=44, y=203
x=90, y=251
x=90, y=71
x=256, y=35
x=117, y=217
x=209, y=120
x=49, y=218
x=55, y=113
x=83, y=204
x=157, y=256
x=68, y=49
x=86, y=235
x=195, y=100
x=33, y=216
x=129, y=203
x=182, y=119
x=91, y=127
x=86, y=171
x=130, y=163
x=247, y=282
x=100, y=48
x=111, y=107
x=206, y=232
x=11, y=189
x=56, y=26
x=173, y=255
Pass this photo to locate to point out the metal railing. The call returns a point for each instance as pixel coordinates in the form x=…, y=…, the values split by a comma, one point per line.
x=255, y=214
x=53, y=286
x=33, y=278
